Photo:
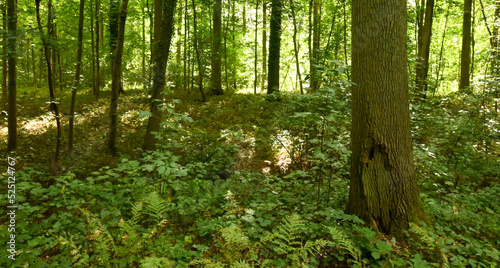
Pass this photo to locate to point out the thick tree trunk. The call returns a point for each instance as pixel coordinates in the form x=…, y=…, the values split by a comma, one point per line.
x=12, y=84
x=466, y=44
x=164, y=38
x=76, y=82
x=273, y=78
x=116, y=79
x=383, y=189
x=216, y=53
x=50, y=80
x=424, y=43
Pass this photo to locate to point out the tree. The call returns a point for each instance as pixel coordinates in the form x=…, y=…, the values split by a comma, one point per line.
x=166, y=30
x=424, y=43
x=383, y=190
x=76, y=82
x=12, y=73
x=198, y=56
x=316, y=32
x=295, y=47
x=116, y=79
x=273, y=77
x=216, y=53
x=466, y=44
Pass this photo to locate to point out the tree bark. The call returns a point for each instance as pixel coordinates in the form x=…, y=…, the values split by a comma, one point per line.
x=466, y=44
x=383, y=189
x=76, y=82
x=273, y=78
x=164, y=38
x=116, y=79
x=12, y=73
x=50, y=80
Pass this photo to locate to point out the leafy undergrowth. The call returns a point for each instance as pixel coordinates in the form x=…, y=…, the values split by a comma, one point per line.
x=245, y=181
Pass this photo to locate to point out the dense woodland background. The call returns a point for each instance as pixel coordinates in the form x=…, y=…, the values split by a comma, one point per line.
x=209, y=133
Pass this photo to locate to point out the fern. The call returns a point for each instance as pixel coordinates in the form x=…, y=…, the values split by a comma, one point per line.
x=286, y=240
x=343, y=242
x=155, y=206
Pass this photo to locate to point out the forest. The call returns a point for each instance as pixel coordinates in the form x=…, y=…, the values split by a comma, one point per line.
x=250, y=133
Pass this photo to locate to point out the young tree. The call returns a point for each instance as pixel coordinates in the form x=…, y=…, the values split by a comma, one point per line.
x=383, y=189
x=316, y=33
x=216, y=53
x=466, y=44
x=166, y=30
x=264, y=44
x=273, y=77
x=198, y=56
x=116, y=79
x=50, y=73
x=295, y=46
x=424, y=43
x=12, y=72
x=76, y=82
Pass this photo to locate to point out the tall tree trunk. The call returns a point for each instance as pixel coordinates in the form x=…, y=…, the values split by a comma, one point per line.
x=186, y=60
x=92, y=46
x=198, y=57
x=424, y=43
x=76, y=82
x=216, y=53
x=116, y=79
x=273, y=78
x=164, y=38
x=466, y=43
x=264, y=45
x=383, y=189
x=12, y=73
x=295, y=47
x=314, y=57
x=50, y=80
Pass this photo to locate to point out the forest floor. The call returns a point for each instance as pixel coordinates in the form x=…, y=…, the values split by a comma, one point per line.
x=242, y=181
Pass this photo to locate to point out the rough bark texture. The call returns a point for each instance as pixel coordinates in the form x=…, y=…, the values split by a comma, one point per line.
x=160, y=64
x=216, y=53
x=12, y=84
x=273, y=77
x=424, y=43
x=76, y=82
x=466, y=43
x=383, y=190
x=115, y=82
